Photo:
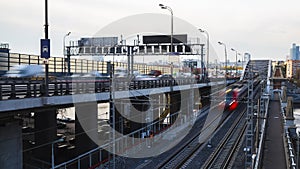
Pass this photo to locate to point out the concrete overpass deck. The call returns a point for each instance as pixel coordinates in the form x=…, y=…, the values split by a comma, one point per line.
x=39, y=102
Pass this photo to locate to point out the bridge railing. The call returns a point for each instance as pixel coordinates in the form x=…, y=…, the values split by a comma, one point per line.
x=24, y=88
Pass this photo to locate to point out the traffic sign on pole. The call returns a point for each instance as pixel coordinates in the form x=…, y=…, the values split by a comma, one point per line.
x=45, y=48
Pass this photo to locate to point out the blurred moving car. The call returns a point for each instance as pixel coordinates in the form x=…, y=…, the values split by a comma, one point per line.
x=165, y=77
x=96, y=74
x=25, y=71
x=123, y=72
x=155, y=73
x=145, y=77
x=120, y=72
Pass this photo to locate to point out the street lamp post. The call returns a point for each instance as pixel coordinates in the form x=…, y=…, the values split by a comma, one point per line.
x=170, y=9
x=221, y=43
x=236, y=53
x=247, y=57
x=207, y=52
x=46, y=60
x=239, y=59
x=243, y=57
x=64, y=50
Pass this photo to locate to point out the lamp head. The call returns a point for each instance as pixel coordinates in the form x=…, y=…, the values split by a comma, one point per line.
x=232, y=49
x=163, y=6
x=220, y=43
x=201, y=30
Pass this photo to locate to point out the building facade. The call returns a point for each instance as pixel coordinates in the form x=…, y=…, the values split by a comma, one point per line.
x=291, y=67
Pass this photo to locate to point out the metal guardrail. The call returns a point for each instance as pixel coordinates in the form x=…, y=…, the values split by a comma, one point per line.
x=290, y=151
x=258, y=158
x=24, y=88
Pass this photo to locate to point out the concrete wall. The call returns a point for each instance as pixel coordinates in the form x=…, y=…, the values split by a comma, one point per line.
x=10, y=145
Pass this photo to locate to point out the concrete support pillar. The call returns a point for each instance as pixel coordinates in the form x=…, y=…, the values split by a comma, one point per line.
x=197, y=99
x=191, y=103
x=289, y=109
x=284, y=94
x=10, y=145
x=185, y=102
x=45, y=125
x=162, y=106
x=86, y=127
x=86, y=132
x=161, y=103
x=155, y=106
x=289, y=113
x=126, y=108
x=175, y=104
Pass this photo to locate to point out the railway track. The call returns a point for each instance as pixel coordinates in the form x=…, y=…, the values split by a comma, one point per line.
x=191, y=147
x=225, y=136
x=170, y=162
x=222, y=157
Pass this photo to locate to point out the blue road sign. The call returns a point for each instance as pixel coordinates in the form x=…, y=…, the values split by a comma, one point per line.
x=45, y=48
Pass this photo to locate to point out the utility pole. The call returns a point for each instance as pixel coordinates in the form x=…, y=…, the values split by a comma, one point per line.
x=112, y=111
x=130, y=61
x=202, y=61
x=46, y=61
x=69, y=60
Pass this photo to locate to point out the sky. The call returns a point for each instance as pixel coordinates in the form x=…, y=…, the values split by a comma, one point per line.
x=264, y=28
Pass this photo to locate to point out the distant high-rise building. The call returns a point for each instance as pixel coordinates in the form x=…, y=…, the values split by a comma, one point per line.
x=293, y=61
x=294, y=52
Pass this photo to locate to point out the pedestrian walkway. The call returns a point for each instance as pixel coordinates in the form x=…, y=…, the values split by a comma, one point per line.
x=274, y=154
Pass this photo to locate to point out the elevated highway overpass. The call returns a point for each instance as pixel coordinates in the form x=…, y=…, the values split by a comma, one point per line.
x=18, y=97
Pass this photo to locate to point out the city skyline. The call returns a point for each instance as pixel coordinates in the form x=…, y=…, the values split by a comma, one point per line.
x=265, y=29
x=294, y=52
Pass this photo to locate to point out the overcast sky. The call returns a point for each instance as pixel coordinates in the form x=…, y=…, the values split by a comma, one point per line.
x=264, y=28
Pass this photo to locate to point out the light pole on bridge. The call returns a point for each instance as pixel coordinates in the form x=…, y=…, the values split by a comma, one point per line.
x=171, y=51
x=207, y=48
x=46, y=62
x=64, y=50
x=221, y=43
x=236, y=54
x=170, y=9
